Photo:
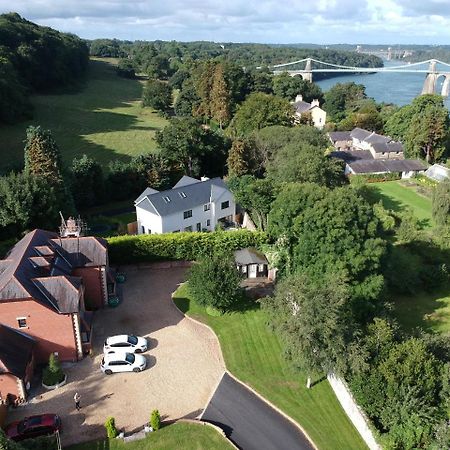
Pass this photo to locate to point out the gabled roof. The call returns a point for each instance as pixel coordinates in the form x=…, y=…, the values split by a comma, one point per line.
x=339, y=136
x=387, y=147
x=386, y=165
x=186, y=181
x=352, y=155
x=148, y=191
x=302, y=106
x=375, y=138
x=26, y=273
x=16, y=350
x=249, y=256
x=184, y=197
x=360, y=134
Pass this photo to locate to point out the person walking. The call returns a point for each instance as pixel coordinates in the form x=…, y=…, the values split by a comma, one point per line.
x=77, y=399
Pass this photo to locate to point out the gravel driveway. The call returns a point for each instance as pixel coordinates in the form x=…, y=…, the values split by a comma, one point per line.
x=184, y=364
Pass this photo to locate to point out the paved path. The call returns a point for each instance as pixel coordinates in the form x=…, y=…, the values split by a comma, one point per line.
x=250, y=422
x=184, y=364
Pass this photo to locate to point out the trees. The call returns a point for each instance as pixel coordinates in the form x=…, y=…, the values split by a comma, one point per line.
x=220, y=97
x=125, y=68
x=241, y=159
x=341, y=97
x=157, y=95
x=214, y=282
x=312, y=316
x=87, y=182
x=289, y=87
x=441, y=203
x=258, y=111
x=365, y=115
x=187, y=100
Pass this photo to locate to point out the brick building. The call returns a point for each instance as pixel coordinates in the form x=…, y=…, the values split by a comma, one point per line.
x=46, y=281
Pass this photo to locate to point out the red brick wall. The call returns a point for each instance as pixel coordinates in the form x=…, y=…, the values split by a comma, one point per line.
x=93, y=290
x=54, y=332
x=9, y=387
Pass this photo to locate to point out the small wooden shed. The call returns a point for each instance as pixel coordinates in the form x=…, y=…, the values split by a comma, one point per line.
x=251, y=263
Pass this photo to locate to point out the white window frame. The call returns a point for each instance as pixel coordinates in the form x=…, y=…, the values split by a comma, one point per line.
x=206, y=206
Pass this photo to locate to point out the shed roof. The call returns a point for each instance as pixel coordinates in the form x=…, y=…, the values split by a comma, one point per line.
x=16, y=351
x=249, y=256
x=386, y=165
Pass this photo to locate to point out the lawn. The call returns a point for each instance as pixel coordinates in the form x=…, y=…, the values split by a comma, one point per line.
x=103, y=119
x=427, y=310
x=177, y=436
x=397, y=196
x=254, y=354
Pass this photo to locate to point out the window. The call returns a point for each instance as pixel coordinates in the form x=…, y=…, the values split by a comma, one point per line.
x=244, y=269
x=225, y=205
x=182, y=194
x=208, y=222
x=261, y=267
x=166, y=199
x=143, y=229
x=199, y=227
x=188, y=228
x=207, y=207
x=187, y=214
x=22, y=322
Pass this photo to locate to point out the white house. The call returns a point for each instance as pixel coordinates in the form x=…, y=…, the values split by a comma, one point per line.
x=381, y=147
x=318, y=115
x=191, y=205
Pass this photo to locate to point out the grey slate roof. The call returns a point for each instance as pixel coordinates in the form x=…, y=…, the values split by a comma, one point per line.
x=352, y=155
x=386, y=165
x=339, y=136
x=182, y=198
x=375, y=138
x=25, y=274
x=148, y=191
x=360, y=134
x=302, y=106
x=387, y=147
x=249, y=256
x=16, y=350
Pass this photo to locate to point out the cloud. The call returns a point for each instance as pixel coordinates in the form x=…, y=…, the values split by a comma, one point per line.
x=320, y=21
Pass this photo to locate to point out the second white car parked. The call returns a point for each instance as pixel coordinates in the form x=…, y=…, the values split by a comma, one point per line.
x=125, y=342
x=122, y=362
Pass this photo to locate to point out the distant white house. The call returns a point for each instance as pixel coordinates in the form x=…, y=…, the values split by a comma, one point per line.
x=191, y=205
x=318, y=115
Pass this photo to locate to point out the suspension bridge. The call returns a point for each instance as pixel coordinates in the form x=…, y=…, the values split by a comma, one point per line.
x=309, y=66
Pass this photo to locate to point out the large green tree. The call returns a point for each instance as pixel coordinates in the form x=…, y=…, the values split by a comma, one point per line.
x=158, y=95
x=441, y=203
x=215, y=282
x=341, y=98
x=312, y=315
x=258, y=111
x=289, y=87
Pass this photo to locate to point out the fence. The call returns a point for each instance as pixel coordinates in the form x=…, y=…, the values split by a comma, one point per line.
x=353, y=411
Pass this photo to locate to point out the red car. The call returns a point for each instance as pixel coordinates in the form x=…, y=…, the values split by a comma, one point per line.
x=33, y=426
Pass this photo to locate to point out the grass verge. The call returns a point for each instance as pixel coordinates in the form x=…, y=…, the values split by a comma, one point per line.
x=254, y=355
x=104, y=120
x=177, y=436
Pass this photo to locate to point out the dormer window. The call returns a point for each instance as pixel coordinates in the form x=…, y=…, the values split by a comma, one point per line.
x=166, y=199
x=182, y=194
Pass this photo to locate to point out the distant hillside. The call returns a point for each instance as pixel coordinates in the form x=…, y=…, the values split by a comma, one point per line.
x=35, y=59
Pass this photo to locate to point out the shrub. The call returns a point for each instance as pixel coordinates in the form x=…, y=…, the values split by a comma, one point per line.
x=111, y=430
x=155, y=420
x=179, y=246
x=375, y=177
x=53, y=373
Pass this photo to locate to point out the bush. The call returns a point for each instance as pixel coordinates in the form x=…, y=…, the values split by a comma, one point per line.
x=179, y=246
x=40, y=443
x=155, y=420
x=53, y=373
x=111, y=430
x=375, y=177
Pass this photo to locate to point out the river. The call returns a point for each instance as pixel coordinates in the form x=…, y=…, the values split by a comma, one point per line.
x=397, y=88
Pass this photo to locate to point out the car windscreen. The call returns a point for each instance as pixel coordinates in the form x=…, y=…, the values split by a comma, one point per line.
x=133, y=340
x=130, y=358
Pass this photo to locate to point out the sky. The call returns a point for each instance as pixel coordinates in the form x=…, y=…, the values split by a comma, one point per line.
x=266, y=21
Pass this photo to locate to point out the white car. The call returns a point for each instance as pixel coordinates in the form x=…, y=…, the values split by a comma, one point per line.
x=125, y=342
x=122, y=362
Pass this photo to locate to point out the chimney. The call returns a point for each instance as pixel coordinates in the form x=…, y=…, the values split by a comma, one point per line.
x=299, y=98
x=204, y=179
x=315, y=102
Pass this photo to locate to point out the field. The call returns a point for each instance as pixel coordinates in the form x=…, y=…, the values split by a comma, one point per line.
x=178, y=436
x=254, y=354
x=396, y=196
x=103, y=119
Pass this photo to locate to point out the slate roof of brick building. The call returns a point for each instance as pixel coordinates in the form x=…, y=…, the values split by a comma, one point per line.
x=339, y=136
x=352, y=155
x=182, y=198
x=387, y=147
x=24, y=272
x=386, y=165
x=16, y=349
x=360, y=134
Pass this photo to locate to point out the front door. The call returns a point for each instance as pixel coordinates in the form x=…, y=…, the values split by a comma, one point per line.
x=252, y=268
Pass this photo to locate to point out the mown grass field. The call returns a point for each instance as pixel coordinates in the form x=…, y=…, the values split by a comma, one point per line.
x=254, y=354
x=104, y=119
x=177, y=436
x=397, y=196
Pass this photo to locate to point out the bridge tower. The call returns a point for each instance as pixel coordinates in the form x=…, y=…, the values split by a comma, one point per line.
x=307, y=74
x=446, y=85
x=429, y=86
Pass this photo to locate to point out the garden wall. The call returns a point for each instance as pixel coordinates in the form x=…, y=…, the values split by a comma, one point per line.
x=180, y=246
x=353, y=411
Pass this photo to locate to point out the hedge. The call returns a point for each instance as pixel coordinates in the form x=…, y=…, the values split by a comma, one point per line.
x=376, y=177
x=179, y=246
